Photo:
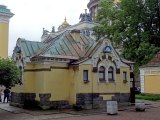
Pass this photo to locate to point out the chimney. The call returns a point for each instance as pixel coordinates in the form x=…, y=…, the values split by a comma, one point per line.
x=76, y=35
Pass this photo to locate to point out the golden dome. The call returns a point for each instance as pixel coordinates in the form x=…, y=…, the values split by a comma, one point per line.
x=65, y=22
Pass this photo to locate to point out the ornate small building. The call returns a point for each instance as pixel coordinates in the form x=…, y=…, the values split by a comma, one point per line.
x=150, y=76
x=70, y=67
x=5, y=15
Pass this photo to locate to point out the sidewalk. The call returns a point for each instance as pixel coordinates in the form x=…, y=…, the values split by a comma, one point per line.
x=16, y=110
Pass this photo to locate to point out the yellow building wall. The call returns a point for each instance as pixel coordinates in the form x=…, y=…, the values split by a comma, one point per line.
x=73, y=83
x=107, y=97
x=56, y=82
x=18, y=88
x=4, y=29
x=28, y=85
x=94, y=86
x=64, y=84
x=152, y=84
x=147, y=72
x=77, y=84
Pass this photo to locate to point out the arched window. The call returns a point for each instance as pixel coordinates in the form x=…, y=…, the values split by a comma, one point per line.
x=110, y=74
x=101, y=73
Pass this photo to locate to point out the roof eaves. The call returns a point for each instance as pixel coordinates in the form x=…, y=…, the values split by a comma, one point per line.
x=61, y=56
x=80, y=61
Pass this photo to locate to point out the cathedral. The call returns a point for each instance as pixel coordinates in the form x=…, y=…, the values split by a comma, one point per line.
x=93, y=6
x=69, y=67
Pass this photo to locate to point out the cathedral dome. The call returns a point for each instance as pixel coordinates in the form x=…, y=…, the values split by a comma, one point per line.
x=65, y=24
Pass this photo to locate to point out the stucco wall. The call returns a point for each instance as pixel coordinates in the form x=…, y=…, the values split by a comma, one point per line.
x=77, y=84
x=52, y=82
x=73, y=83
x=4, y=29
x=57, y=83
x=150, y=80
x=28, y=80
x=94, y=86
x=152, y=84
x=63, y=83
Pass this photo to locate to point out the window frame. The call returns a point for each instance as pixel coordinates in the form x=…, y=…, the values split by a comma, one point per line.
x=112, y=72
x=86, y=74
x=124, y=72
x=102, y=79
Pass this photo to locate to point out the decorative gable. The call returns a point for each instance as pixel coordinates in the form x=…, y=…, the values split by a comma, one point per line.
x=105, y=54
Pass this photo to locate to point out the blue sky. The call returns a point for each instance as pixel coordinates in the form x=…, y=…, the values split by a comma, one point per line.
x=32, y=15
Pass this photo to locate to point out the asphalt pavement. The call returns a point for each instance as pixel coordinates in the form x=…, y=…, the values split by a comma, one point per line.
x=8, y=112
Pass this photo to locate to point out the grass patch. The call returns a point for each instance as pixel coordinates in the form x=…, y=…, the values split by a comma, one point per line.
x=147, y=97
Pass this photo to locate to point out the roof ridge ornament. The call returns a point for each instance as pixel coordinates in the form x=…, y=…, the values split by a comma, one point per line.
x=45, y=32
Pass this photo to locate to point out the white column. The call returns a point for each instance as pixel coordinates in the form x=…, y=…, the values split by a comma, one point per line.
x=142, y=80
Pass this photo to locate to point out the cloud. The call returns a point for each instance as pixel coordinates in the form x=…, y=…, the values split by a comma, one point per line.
x=32, y=15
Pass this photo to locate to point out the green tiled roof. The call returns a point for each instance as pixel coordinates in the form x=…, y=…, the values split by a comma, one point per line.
x=63, y=45
x=3, y=9
x=31, y=47
x=67, y=46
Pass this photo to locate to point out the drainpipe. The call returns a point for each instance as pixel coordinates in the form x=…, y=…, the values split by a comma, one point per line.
x=92, y=90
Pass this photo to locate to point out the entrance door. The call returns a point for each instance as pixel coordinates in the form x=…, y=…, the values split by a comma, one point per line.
x=132, y=87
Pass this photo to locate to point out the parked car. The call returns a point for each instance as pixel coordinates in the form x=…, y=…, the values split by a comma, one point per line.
x=137, y=90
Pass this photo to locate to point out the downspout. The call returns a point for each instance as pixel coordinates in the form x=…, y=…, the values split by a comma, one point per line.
x=92, y=90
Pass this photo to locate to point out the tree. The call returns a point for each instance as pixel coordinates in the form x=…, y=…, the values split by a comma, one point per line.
x=9, y=72
x=135, y=24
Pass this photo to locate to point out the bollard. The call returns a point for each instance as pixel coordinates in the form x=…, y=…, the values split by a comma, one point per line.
x=112, y=108
x=140, y=105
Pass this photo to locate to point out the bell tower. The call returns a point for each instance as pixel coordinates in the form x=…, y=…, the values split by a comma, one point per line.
x=5, y=16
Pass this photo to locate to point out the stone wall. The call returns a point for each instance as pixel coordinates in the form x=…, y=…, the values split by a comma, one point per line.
x=86, y=100
x=94, y=100
x=22, y=97
x=121, y=97
x=89, y=100
x=44, y=103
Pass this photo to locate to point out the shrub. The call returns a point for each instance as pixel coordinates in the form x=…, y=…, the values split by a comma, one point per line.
x=148, y=97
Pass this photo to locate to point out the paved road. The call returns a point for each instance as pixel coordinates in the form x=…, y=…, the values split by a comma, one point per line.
x=149, y=114
x=152, y=113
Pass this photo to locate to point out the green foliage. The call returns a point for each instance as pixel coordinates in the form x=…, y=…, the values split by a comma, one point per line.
x=148, y=97
x=9, y=72
x=135, y=24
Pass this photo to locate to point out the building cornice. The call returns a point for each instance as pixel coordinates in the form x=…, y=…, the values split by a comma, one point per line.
x=46, y=69
x=4, y=18
x=150, y=68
